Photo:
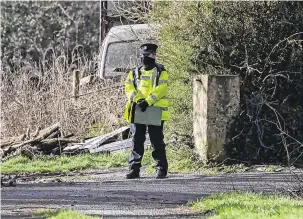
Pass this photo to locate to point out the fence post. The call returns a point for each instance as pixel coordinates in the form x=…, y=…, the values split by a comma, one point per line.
x=76, y=84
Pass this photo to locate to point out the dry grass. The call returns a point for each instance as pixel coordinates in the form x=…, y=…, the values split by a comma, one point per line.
x=27, y=104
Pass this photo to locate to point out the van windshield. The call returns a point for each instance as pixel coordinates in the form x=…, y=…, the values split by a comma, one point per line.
x=121, y=56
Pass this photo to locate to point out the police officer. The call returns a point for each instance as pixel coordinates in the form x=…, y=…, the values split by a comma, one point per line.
x=146, y=86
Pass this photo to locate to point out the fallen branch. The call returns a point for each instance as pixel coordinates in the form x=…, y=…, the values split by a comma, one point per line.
x=42, y=135
x=11, y=140
x=48, y=144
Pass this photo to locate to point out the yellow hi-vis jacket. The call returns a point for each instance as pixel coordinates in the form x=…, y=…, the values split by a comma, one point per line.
x=150, y=85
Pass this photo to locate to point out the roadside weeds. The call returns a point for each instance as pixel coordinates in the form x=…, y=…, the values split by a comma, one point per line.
x=236, y=205
x=61, y=214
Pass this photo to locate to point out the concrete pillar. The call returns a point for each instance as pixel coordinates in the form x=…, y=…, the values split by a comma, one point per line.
x=216, y=101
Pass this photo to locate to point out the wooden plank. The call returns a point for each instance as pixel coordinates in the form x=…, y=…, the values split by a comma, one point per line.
x=113, y=146
x=118, y=145
x=108, y=147
x=122, y=145
x=96, y=143
x=72, y=147
x=77, y=146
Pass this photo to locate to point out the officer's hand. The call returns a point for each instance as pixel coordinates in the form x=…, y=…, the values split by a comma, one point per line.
x=143, y=105
x=139, y=101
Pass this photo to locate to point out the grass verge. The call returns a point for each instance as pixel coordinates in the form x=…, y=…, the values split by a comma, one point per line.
x=248, y=205
x=64, y=163
x=61, y=214
x=180, y=160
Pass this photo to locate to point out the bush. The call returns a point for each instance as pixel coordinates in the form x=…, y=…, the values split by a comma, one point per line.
x=259, y=41
x=175, y=53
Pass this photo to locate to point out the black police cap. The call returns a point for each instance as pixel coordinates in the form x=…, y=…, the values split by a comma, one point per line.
x=148, y=48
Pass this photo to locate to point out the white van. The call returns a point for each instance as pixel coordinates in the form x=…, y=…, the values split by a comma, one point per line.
x=119, y=52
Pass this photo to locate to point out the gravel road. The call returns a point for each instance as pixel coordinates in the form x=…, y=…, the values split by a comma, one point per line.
x=109, y=195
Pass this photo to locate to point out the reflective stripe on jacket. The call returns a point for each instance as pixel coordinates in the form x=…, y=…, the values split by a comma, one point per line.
x=147, y=89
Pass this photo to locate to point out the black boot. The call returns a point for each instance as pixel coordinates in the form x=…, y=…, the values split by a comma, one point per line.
x=161, y=174
x=133, y=174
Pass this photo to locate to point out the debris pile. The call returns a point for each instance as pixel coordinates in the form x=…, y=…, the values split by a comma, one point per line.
x=51, y=141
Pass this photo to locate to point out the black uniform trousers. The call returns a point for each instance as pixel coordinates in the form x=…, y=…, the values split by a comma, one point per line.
x=157, y=140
